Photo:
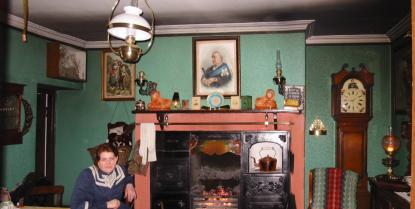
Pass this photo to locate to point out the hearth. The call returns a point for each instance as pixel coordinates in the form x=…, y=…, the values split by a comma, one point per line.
x=221, y=170
x=215, y=170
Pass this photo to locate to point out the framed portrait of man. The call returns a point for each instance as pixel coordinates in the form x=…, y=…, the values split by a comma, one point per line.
x=118, y=78
x=216, y=66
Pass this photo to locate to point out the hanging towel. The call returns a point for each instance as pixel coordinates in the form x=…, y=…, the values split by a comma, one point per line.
x=147, y=143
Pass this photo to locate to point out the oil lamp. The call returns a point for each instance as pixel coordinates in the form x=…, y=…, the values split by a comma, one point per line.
x=175, y=102
x=146, y=87
x=130, y=26
x=390, y=144
x=279, y=79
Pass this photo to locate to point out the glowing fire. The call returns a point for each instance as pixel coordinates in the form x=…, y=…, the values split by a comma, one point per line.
x=218, y=192
x=217, y=198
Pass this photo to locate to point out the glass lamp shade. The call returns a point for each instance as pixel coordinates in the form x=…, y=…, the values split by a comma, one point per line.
x=390, y=143
x=130, y=23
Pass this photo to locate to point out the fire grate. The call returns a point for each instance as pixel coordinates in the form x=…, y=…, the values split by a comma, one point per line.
x=214, y=202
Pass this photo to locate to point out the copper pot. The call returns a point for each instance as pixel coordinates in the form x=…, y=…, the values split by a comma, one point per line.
x=266, y=164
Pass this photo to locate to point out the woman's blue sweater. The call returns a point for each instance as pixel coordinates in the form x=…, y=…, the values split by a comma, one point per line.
x=94, y=188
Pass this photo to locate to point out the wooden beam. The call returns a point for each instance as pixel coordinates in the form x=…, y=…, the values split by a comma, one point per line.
x=413, y=107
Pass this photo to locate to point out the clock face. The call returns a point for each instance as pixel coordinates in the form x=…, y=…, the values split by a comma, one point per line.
x=353, y=97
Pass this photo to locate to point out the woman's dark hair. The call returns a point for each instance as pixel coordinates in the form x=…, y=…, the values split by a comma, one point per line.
x=104, y=148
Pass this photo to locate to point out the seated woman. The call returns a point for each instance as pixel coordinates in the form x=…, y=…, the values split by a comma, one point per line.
x=266, y=102
x=102, y=185
x=158, y=103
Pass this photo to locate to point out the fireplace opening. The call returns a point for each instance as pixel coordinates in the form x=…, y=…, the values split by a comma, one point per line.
x=221, y=170
x=215, y=172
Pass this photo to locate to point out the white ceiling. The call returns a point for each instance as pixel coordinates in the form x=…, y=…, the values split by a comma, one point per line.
x=86, y=19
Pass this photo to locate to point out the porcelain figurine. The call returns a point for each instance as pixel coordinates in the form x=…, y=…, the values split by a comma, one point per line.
x=266, y=102
x=158, y=103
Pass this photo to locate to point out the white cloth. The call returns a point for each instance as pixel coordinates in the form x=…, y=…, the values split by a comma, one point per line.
x=147, y=148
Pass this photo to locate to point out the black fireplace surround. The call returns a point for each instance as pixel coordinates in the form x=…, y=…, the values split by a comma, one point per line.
x=184, y=172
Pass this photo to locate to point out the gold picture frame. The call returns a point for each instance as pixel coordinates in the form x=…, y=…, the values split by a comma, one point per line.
x=216, y=66
x=118, y=78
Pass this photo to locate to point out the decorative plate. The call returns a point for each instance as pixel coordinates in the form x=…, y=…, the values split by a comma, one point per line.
x=215, y=100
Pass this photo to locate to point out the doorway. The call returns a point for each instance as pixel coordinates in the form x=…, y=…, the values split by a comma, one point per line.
x=45, y=132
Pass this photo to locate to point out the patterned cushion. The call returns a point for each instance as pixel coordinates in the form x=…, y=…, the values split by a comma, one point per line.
x=334, y=188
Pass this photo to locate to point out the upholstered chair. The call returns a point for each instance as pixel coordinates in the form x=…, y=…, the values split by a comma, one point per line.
x=332, y=188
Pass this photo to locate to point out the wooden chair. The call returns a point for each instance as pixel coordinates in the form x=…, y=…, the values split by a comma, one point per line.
x=56, y=191
x=332, y=188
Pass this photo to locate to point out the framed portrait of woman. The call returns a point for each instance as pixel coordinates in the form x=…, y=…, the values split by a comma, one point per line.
x=118, y=78
x=216, y=66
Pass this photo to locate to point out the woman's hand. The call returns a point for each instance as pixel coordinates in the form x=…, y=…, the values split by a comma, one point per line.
x=129, y=192
x=113, y=204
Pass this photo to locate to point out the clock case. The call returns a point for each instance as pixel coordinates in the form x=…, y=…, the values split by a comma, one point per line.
x=338, y=79
x=351, y=130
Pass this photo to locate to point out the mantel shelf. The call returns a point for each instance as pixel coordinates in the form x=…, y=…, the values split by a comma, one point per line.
x=214, y=111
x=163, y=119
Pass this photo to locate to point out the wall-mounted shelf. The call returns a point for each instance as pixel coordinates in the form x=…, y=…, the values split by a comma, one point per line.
x=163, y=118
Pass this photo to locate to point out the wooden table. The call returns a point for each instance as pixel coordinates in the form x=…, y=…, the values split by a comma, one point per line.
x=383, y=195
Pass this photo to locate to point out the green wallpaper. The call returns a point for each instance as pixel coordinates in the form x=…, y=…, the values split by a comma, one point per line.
x=258, y=57
x=82, y=116
x=24, y=64
x=169, y=63
x=321, y=62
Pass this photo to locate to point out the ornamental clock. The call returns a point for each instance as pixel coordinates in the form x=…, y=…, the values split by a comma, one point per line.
x=351, y=108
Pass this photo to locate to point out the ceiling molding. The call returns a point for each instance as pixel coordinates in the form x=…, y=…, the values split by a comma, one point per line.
x=348, y=39
x=102, y=44
x=34, y=28
x=297, y=25
x=400, y=29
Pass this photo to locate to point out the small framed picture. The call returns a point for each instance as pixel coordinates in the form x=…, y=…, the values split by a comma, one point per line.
x=294, y=97
x=118, y=78
x=235, y=103
x=216, y=66
x=196, y=103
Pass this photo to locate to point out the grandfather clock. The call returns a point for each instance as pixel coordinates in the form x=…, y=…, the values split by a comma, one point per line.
x=351, y=108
